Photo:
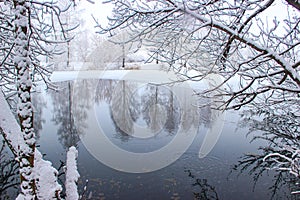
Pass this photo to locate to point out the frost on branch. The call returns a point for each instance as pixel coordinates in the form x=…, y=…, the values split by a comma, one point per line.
x=293, y=163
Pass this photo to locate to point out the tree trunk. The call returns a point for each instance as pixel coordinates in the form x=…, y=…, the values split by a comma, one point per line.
x=25, y=112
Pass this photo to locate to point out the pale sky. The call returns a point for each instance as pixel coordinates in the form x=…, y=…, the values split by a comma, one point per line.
x=99, y=10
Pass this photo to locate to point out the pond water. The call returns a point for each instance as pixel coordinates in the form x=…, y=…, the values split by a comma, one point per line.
x=141, y=160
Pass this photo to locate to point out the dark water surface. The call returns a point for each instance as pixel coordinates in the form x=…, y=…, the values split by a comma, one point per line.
x=118, y=106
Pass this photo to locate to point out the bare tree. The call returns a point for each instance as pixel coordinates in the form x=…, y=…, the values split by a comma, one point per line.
x=231, y=38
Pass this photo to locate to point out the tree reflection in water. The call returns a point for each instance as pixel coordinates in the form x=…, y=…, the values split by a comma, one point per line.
x=70, y=110
x=148, y=105
x=281, y=131
x=9, y=173
x=156, y=107
x=120, y=105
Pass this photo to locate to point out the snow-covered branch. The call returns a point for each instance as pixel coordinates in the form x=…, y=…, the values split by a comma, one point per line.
x=277, y=129
x=46, y=28
x=231, y=38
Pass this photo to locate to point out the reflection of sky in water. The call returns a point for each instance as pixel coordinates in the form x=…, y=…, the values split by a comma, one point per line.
x=185, y=178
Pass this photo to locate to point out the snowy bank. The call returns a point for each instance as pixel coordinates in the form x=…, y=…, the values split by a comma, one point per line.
x=149, y=76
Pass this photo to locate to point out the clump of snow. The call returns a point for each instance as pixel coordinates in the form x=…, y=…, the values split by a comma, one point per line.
x=46, y=178
x=72, y=174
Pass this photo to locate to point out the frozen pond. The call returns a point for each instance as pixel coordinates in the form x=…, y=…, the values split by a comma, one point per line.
x=124, y=132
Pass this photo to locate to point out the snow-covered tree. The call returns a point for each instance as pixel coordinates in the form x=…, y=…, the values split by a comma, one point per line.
x=46, y=31
x=26, y=27
x=22, y=63
x=256, y=53
x=77, y=49
x=111, y=53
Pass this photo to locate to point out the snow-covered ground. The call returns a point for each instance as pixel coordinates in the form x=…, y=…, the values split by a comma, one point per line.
x=150, y=73
x=58, y=76
x=142, y=75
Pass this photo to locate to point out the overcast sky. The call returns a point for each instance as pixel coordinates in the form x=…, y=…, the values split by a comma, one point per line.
x=99, y=10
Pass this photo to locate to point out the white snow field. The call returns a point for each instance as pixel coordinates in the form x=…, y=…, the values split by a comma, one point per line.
x=142, y=75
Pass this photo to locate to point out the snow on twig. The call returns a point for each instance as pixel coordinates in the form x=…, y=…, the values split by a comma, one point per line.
x=293, y=163
x=281, y=61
